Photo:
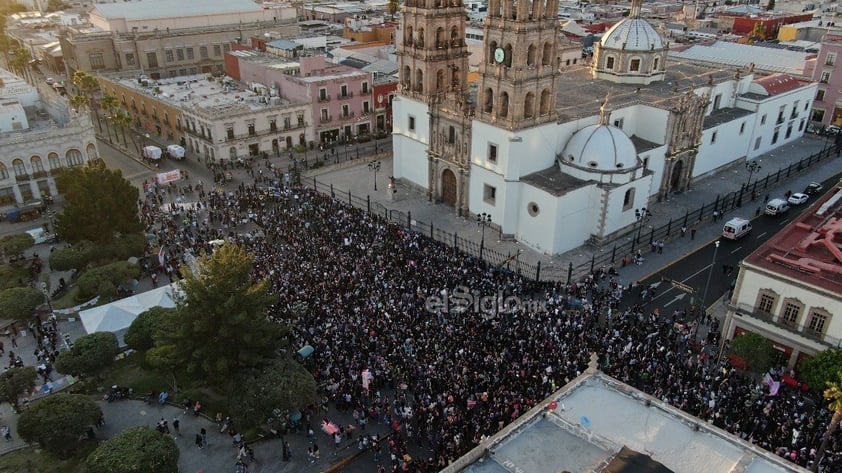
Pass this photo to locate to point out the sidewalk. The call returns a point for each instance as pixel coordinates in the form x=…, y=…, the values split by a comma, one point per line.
x=359, y=181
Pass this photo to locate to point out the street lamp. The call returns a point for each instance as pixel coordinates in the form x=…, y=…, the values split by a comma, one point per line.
x=641, y=215
x=374, y=166
x=753, y=167
x=710, y=273
x=483, y=220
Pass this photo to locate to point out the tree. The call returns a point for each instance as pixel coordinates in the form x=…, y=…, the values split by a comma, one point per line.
x=100, y=205
x=141, y=333
x=105, y=279
x=284, y=384
x=15, y=244
x=13, y=276
x=59, y=422
x=109, y=103
x=135, y=450
x=758, y=33
x=90, y=354
x=754, y=349
x=122, y=119
x=771, y=5
x=817, y=371
x=19, y=302
x=87, y=84
x=164, y=358
x=15, y=382
x=220, y=327
x=394, y=6
x=79, y=102
x=833, y=394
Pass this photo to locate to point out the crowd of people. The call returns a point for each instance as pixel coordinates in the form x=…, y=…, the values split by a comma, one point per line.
x=357, y=289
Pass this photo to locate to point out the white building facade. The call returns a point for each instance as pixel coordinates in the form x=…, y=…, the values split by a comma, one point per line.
x=536, y=160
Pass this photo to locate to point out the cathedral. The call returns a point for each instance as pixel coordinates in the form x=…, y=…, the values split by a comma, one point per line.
x=558, y=155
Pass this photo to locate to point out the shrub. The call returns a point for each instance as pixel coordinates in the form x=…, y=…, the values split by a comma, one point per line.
x=19, y=302
x=103, y=281
x=89, y=354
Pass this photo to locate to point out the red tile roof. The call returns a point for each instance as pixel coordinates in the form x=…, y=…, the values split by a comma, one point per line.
x=778, y=83
x=809, y=249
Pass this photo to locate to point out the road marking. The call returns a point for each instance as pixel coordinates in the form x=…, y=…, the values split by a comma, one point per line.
x=676, y=299
x=783, y=222
x=736, y=249
x=760, y=236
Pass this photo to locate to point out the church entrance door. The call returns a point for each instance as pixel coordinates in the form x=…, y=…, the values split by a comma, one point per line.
x=448, y=187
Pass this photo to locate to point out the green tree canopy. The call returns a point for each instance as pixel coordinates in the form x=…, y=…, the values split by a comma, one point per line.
x=833, y=396
x=89, y=354
x=135, y=450
x=58, y=422
x=13, y=276
x=821, y=369
x=754, y=349
x=15, y=382
x=220, y=327
x=19, y=302
x=284, y=384
x=100, y=205
x=104, y=280
x=15, y=244
x=141, y=333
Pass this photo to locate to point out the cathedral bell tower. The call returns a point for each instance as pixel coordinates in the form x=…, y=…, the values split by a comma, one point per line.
x=432, y=54
x=519, y=69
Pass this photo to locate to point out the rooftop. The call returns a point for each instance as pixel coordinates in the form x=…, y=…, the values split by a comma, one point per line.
x=808, y=249
x=151, y=9
x=597, y=423
x=736, y=54
x=202, y=95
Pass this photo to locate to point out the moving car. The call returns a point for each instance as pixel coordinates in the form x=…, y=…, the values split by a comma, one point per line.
x=736, y=228
x=175, y=152
x=798, y=198
x=776, y=207
x=813, y=188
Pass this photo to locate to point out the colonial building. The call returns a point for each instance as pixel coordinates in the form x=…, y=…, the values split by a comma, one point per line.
x=162, y=38
x=39, y=136
x=543, y=143
x=826, y=108
x=216, y=118
x=790, y=289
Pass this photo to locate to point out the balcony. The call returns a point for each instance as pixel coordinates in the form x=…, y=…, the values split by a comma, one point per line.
x=325, y=119
x=22, y=178
x=39, y=174
x=348, y=115
x=346, y=95
x=805, y=333
x=442, y=44
x=365, y=92
x=324, y=98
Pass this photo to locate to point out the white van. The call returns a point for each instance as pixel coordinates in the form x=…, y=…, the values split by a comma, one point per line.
x=736, y=228
x=776, y=207
x=152, y=152
x=40, y=236
x=175, y=152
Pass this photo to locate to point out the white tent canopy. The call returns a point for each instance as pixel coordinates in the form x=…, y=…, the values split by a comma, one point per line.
x=117, y=316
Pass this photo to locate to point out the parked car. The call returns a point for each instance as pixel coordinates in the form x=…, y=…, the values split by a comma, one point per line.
x=813, y=188
x=798, y=198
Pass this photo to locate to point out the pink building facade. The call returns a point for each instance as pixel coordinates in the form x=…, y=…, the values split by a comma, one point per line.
x=341, y=96
x=827, y=107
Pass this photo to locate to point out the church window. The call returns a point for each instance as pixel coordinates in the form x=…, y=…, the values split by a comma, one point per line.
x=742, y=127
x=713, y=138
x=441, y=41
x=609, y=62
x=546, y=57
x=419, y=81
x=763, y=120
x=655, y=64
x=411, y=123
x=533, y=209
x=618, y=123
x=489, y=101
x=634, y=65
x=716, y=101
x=504, y=105
x=529, y=105
x=489, y=194
x=530, y=56
x=440, y=80
x=492, y=153
x=545, y=102
x=775, y=135
x=628, y=199
x=451, y=135
x=757, y=143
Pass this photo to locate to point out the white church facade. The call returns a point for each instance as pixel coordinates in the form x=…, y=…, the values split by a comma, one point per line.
x=559, y=158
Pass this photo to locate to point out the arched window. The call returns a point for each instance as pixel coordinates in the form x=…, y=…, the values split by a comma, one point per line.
x=609, y=62
x=440, y=87
x=655, y=64
x=408, y=38
x=54, y=161
x=37, y=165
x=504, y=105
x=74, y=158
x=232, y=152
x=419, y=80
x=508, y=61
x=634, y=65
x=454, y=38
x=544, y=107
x=407, y=76
x=4, y=173
x=547, y=55
x=91, y=150
x=492, y=46
x=19, y=167
x=420, y=38
x=441, y=40
x=529, y=105
x=628, y=199
x=454, y=77
x=488, y=101
x=530, y=55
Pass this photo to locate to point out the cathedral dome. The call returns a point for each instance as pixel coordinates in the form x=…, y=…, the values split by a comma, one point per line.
x=602, y=148
x=632, y=34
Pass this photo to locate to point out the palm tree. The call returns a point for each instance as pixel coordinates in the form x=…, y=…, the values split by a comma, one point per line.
x=394, y=6
x=86, y=84
x=20, y=61
x=79, y=102
x=109, y=103
x=122, y=119
x=833, y=394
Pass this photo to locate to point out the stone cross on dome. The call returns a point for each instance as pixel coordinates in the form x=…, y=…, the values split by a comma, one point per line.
x=635, y=8
x=604, y=115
